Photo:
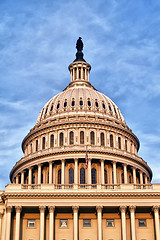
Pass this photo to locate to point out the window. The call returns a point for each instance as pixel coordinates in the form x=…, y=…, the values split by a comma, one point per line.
x=89, y=103
x=110, y=223
x=92, y=138
x=82, y=176
x=105, y=177
x=31, y=223
x=115, y=111
x=93, y=174
x=103, y=105
x=71, y=138
x=51, y=108
x=126, y=145
x=52, y=141
x=59, y=176
x=111, y=140
x=119, y=142
x=73, y=103
x=61, y=139
x=86, y=222
x=63, y=223
x=110, y=109
x=43, y=143
x=102, y=139
x=142, y=222
x=36, y=145
x=58, y=105
x=81, y=103
x=96, y=104
x=81, y=137
x=65, y=104
x=71, y=175
x=46, y=110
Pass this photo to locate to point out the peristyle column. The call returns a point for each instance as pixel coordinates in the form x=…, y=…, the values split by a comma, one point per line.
x=50, y=172
x=22, y=177
x=134, y=175
x=89, y=171
x=114, y=173
x=125, y=173
x=30, y=175
x=39, y=173
x=75, y=222
x=102, y=171
x=51, y=222
x=63, y=171
x=99, y=222
x=42, y=221
x=76, y=171
x=123, y=222
x=156, y=221
x=132, y=219
x=18, y=216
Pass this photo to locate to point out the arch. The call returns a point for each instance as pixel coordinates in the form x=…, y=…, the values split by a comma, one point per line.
x=71, y=138
x=59, y=176
x=93, y=176
x=105, y=177
x=82, y=176
x=81, y=137
x=71, y=175
x=102, y=139
x=119, y=142
x=61, y=140
x=52, y=141
x=43, y=143
x=111, y=140
x=92, y=138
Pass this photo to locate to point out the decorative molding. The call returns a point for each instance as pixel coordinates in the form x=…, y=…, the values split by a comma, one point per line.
x=42, y=208
x=75, y=208
x=123, y=208
x=132, y=208
x=8, y=209
x=51, y=209
x=99, y=208
x=155, y=208
x=18, y=208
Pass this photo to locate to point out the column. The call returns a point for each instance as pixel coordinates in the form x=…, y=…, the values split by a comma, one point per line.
x=22, y=177
x=156, y=221
x=76, y=172
x=50, y=172
x=99, y=222
x=1, y=215
x=17, y=179
x=30, y=176
x=102, y=171
x=18, y=216
x=63, y=171
x=89, y=171
x=141, y=177
x=8, y=222
x=4, y=224
x=123, y=222
x=39, y=173
x=51, y=222
x=134, y=175
x=146, y=179
x=132, y=219
x=42, y=221
x=75, y=222
x=125, y=173
x=114, y=173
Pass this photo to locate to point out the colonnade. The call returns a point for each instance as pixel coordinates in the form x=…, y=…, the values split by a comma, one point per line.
x=75, y=209
x=142, y=177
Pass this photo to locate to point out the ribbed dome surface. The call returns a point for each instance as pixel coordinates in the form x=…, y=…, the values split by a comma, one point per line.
x=80, y=98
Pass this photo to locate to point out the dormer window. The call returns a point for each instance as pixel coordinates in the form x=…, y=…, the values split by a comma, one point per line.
x=58, y=105
x=89, y=103
x=73, y=103
x=96, y=104
x=65, y=104
x=103, y=105
x=51, y=108
x=81, y=103
x=110, y=109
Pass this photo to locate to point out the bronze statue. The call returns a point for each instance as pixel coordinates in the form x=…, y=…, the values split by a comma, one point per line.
x=79, y=45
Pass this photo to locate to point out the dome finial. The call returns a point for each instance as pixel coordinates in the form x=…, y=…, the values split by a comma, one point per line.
x=79, y=54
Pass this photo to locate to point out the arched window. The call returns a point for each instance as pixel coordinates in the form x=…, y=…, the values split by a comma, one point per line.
x=71, y=138
x=61, y=139
x=126, y=145
x=52, y=141
x=119, y=142
x=92, y=138
x=105, y=177
x=82, y=176
x=102, y=139
x=59, y=176
x=81, y=137
x=111, y=140
x=71, y=175
x=43, y=143
x=93, y=173
x=122, y=177
x=36, y=145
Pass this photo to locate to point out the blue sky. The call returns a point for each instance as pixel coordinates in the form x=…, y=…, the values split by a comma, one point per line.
x=37, y=43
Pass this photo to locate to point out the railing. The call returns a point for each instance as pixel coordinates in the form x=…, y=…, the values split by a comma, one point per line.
x=97, y=187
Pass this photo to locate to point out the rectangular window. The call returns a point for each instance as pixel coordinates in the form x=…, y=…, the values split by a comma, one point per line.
x=31, y=223
x=63, y=223
x=86, y=222
x=110, y=223
x=142, y=222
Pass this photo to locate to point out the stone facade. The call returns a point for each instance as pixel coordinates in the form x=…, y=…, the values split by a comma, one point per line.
x=80, y=177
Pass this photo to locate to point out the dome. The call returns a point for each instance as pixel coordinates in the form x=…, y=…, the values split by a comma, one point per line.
x=80, y=98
